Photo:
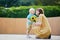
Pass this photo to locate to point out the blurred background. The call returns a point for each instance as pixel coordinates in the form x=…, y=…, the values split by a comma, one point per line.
x=13, y=15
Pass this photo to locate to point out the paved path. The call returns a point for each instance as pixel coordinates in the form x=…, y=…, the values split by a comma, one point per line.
x=23, y=37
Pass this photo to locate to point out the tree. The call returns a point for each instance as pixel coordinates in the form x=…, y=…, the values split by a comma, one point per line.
x=10, y=3
x=50, y=2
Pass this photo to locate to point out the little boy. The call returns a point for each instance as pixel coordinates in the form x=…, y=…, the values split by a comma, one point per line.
x=29, y=22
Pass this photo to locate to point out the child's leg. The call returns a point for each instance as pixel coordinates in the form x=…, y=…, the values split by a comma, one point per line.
x=28, y=30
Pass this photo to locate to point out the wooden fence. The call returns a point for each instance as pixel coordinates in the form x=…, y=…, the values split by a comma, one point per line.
x=18, y=25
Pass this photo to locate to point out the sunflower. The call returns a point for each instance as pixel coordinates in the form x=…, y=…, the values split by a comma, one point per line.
x=33, y=18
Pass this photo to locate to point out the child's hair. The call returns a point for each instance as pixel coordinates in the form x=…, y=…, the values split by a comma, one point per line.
x=31, y=9
x=41, y=11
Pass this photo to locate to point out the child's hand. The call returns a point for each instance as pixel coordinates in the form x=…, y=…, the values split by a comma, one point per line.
x=37, y=24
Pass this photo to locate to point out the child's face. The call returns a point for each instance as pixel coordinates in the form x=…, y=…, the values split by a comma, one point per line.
x=37, y=12
x=32, y=11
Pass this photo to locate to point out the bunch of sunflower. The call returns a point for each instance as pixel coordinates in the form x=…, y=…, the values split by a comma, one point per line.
x=33, y=18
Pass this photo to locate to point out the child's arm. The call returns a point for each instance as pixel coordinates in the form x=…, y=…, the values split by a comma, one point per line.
x=38, y=23
x=28, y=17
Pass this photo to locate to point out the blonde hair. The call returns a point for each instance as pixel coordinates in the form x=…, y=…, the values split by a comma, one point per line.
x=31, y=9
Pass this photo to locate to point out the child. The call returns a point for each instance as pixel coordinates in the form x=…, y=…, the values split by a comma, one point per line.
x=29, y=22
